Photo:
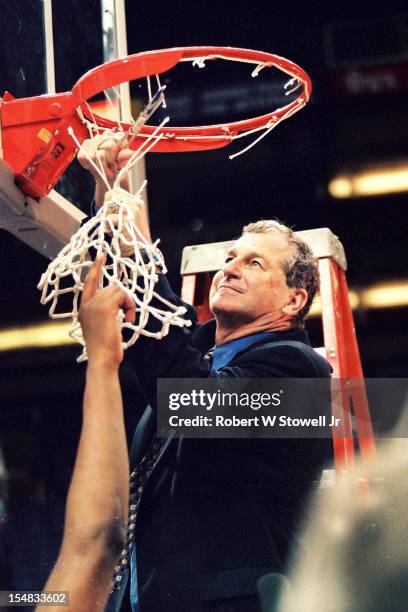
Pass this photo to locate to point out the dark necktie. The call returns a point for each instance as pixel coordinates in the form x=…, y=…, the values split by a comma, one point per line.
x=138, y=479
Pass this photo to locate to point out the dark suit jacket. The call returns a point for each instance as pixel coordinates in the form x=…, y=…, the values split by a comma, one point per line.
x=218, y=514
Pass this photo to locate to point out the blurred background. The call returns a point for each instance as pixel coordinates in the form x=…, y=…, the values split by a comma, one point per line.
x=340, y=163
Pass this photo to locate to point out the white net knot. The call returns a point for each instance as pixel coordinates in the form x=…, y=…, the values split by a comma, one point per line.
x=199, y=62
x=258, y=69
x=292, y=85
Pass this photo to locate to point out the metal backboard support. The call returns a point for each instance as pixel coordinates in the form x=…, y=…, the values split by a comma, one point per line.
x=46, y=225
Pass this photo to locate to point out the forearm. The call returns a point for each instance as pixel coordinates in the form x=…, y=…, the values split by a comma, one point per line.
x=98, y=496
x=97, y=504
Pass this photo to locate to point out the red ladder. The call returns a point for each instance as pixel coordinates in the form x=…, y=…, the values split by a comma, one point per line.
x=198, y=265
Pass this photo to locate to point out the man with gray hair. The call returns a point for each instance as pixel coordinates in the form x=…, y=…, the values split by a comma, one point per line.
x=214, y=515
x=301, y=269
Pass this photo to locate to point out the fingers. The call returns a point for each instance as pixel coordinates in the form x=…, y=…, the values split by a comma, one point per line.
x=123, y=157
x=115, y=298
x=92, y=280
x=98, y=316
x=128, y=306
x=112, y=296
x=105, y=160
x=102, y=151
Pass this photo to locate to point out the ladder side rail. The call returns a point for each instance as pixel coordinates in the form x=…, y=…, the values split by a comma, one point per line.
x=333, y=333
x=357, y=387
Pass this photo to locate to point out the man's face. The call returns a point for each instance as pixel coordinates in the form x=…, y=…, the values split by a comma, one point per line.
x=252, y=282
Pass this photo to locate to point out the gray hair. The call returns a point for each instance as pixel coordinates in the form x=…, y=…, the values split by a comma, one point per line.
x=301, y=269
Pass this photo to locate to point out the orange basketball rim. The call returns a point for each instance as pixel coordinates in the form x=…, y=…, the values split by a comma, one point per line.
x=37, y=143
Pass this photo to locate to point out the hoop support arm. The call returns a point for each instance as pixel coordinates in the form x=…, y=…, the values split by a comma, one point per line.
x=45, y=225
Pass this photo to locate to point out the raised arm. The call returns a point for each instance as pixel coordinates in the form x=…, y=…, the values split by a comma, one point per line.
x=110, y=155
x=97, y=503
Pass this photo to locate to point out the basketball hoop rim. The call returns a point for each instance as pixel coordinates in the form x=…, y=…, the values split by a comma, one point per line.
x=41, y=135
x=150, y=63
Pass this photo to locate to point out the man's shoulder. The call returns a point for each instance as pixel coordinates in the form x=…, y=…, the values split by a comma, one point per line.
x=292, y=351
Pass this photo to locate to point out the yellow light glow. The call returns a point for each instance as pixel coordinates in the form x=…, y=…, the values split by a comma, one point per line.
x=55, y=333
x=354, y=299
x=386, y=295
x=42, y=335
x=340, y=187
x=376, y=181
x=316, y=309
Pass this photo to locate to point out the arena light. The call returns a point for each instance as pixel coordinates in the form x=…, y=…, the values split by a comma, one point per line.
x=393, y=294
x=35, y=336
x=383, y=180
x=385, y=295
x=316, y=309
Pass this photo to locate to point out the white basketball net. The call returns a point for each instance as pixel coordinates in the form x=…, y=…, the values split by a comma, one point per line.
x=130, y=260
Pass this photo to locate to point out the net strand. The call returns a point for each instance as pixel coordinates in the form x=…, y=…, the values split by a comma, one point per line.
x=296, y=84
x=200, y=62
x=271, y=125
x=141, y=151
x=160, y=88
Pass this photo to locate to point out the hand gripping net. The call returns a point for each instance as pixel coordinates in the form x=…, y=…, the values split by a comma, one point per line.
x=129, y=260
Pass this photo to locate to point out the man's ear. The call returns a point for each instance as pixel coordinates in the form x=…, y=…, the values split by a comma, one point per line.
x=298, y=299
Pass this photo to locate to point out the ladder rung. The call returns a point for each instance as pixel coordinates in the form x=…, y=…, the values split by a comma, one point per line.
x=211, y=256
